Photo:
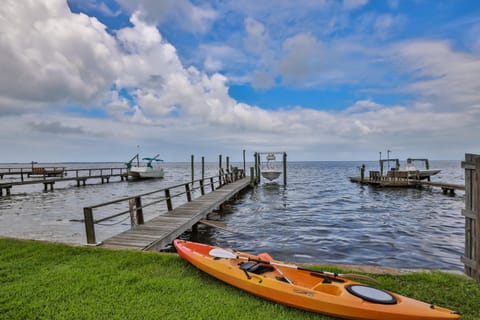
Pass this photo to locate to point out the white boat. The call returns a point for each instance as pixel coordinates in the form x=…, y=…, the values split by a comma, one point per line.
x=148, y=170
x=417, y=173
x=270, y=172
x=420, y=174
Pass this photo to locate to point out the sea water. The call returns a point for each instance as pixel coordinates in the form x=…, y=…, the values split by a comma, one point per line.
x=319, y=216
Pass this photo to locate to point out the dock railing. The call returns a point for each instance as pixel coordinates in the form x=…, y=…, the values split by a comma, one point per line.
x=134, y=205
x=48, y=172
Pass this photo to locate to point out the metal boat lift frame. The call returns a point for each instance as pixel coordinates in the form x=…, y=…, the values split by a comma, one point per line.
x=258, y=163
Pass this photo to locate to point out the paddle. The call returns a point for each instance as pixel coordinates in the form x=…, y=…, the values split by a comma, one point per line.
x=222, y=253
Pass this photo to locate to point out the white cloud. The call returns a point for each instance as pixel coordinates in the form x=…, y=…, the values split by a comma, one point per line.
x=303, y=60
x=354, y=4
x=445, y=77
x=51, y=55
x=174, y=102
x=194, y=18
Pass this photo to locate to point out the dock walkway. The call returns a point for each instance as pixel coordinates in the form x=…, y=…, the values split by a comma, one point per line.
x=409, y=183
x=162, y=230
x=48, y=179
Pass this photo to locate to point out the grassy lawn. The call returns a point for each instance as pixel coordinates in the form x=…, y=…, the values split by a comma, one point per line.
x=52, y=281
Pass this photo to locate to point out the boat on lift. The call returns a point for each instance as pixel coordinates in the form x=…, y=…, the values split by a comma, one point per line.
x=410, y=170
x=150, y=169
x=414, y=172
x=270, y=172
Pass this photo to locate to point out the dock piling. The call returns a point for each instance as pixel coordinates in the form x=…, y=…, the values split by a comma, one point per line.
x=89, y=225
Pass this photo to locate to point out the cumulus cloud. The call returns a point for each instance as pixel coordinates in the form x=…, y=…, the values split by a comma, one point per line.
x=55, y=127
x=194, y=18
x=448, y=78
x=51, y=55
x=149, y=96
x=303, y=61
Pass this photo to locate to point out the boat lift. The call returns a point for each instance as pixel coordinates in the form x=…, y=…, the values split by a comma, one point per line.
x=269, y=155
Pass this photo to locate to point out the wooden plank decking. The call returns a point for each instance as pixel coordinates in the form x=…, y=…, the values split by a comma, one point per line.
x=407, y=183
x=162, y=230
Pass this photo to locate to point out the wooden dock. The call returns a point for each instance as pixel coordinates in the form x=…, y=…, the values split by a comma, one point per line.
x=400, y=182
x=49, y=178
x=165, y=227
x=162, y=230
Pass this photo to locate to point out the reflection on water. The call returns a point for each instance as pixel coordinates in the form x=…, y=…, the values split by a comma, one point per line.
x=320, y=216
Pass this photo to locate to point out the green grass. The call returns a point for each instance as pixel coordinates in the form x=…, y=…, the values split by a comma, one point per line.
x=52, y=281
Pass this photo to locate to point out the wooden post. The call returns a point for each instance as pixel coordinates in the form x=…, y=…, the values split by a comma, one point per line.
x=228, y=164
x=244, y=168
x=202, y=188
x=89, y=225
x=139, y=210
x=220, y=165
x=471, y=258
x=257, y=168
x=212, y=186
x=285, y=168
x=362, y=172
x=252, y=177
x=169, y=200
x=203, y=168
x=131, y=209
x=193, y=168
x=187, y=191
x=477, y=227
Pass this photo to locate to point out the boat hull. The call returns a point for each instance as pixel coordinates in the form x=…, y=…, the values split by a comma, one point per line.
x=270, y=175
x=421, y=174
x=309, y=291
x=145, y=173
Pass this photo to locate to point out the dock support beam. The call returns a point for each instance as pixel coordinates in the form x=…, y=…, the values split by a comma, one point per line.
x=7, y=190
x=45, y=185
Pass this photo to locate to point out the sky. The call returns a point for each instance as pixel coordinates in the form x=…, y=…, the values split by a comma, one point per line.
x=92, y=80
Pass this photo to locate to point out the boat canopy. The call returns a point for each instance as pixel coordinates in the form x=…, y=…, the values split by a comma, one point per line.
x=152, y=159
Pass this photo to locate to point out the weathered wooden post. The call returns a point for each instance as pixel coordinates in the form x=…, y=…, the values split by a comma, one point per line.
x=219, y=164
x=244, y=167
x=203, y=168
x=362, y=172
x=212, y=186
x=257, y=167
x=89, y=225
x=193, y=168
x=285, y=168
x=471, y=258
x=187, y=191
x=252, y=177
x=202, y=188
x=131, y=209
x=168, y=199
x=228, y=164
x=139, y=210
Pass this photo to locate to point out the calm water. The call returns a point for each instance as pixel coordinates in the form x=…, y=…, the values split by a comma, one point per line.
x=320, y=216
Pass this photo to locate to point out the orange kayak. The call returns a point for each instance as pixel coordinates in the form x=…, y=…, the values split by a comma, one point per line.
x=311, y=290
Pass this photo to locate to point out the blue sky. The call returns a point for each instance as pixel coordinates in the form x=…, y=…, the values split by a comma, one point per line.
x=89, y=80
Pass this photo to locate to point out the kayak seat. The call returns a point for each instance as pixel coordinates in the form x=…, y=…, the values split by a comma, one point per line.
x=256, y=268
